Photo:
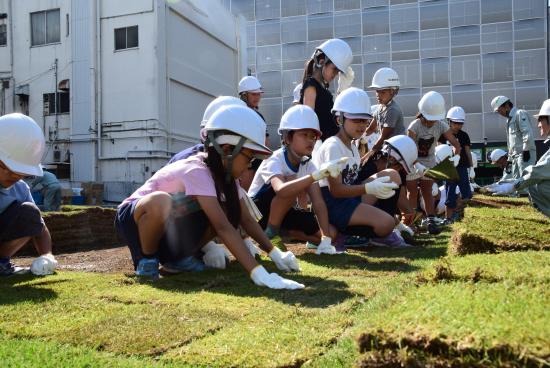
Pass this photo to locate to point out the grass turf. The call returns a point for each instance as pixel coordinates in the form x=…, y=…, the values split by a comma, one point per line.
x=405, y=297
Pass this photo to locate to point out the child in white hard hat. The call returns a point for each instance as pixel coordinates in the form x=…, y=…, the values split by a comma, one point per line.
x=21, y=149
x=289, y=172
x=426, y=131
x=171, y=217
x=456, y=118
x=343, y=194
x=330, y=58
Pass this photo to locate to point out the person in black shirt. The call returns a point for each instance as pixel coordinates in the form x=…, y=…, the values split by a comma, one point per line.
x=456, y=118
x=330, y=58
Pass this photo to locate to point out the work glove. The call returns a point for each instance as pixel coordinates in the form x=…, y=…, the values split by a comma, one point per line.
x=252, y=248
x=345, y=80
x=285, y=261
x=214, y=255
x=419, y=168
x=472, y=173
x=382, y=188
x=273, y=281
x=44, y=265
x=435, y=189
x=332, y=168
x=325, y=246
x=455, y=160
x=526, y=156
x=501, y=189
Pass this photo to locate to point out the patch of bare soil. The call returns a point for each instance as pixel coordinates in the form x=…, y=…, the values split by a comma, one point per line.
x=381, y=350
x=112, y=260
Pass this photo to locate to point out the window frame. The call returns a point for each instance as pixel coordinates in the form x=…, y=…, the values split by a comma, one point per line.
x=59, y=101
x=125, y=38
x=45, y=12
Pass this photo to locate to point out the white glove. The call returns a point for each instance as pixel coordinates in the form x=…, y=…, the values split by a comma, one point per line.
x=214, y=255
x=382, y=188
x=252, y=248
x=345, y=81
x=332, y=168
x=325, y=246
x=455, y=159
x=401, y=227
x=285, y=261
x=44, y=265
x=420, y=169
x=500, y=189
x=273, y=281
x=435, y=189
x=472, y=173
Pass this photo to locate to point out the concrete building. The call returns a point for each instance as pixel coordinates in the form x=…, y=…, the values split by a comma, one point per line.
x=117, y=86
x=468, y=50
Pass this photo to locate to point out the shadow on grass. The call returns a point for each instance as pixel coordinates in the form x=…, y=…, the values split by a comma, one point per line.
x=355, y=261
x=318, y=293
x=12, y=293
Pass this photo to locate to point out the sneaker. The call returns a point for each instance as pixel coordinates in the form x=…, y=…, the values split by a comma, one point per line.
x=356, y=242
x=8, y=269
x=429, y=224
x=148, y=267
x=279, y=243
x=438, y=220
x=310, y=245
x=394, y=240
x=186, y=264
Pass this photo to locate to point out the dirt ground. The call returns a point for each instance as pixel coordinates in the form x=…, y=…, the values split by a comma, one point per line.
x=112, y=260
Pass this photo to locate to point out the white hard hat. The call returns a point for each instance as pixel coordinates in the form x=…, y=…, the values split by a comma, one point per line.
x=250, y=84
x=338, y=52
x=296, y=93
x=22, y=144
x=498, y=101
x=403, y=149
x=353, y=101
x=385, y=78
x=299, y=117
x=456, y=114
x=545, y=109
x=442, y=152
x=432, y=106
x=242, y=121
x=497, y=154
x=217, y=103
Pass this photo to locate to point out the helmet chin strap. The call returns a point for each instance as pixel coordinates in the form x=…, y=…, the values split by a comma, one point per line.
x=229, y=158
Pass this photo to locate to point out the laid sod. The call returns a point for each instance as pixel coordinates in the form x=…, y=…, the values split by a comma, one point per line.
x=382, y=307
x=496, y=224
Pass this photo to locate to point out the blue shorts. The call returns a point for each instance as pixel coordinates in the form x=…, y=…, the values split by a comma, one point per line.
x=185, y=228
x=339, y=209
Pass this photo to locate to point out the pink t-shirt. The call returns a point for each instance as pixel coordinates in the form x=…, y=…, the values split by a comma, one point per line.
x=190, y=176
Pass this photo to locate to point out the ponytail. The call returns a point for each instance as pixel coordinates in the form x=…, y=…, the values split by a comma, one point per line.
x=308, y=70
x=224, y=190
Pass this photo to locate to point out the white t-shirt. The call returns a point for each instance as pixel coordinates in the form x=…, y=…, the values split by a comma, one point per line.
x=332, y=149
x=275, y=165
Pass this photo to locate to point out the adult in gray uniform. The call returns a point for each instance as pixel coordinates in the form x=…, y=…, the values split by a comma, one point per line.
x=535, y=178
x=521, y=142
x=51, y=190
x=388, y=118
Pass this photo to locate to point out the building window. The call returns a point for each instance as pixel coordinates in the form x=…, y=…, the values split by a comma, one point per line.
x=45, y=27
x=61, y=105
x=126, y=38
x=3, y=35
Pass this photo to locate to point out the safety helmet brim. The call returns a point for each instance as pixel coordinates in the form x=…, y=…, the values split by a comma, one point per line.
x=20, y=168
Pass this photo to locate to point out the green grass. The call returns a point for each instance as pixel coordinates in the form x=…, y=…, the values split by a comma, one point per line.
x=492, y=229
x=221, y=319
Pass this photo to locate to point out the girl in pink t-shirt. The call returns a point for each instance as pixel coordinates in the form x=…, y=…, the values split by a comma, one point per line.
x=186, y=204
